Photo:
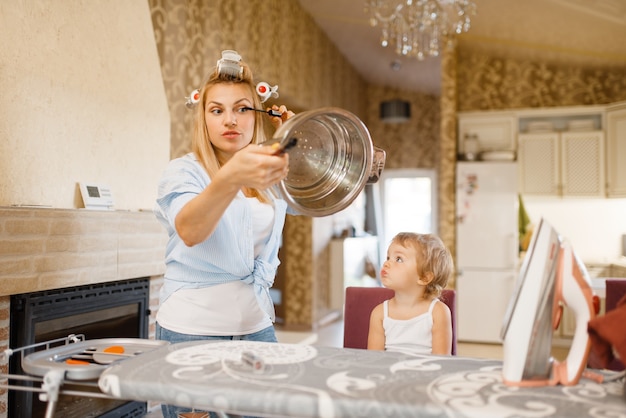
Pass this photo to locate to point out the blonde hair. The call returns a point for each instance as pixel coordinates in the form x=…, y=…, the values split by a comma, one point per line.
x=432, y=256
x=201, y=144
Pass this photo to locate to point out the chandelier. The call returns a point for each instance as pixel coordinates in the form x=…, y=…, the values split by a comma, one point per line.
x=420, y=27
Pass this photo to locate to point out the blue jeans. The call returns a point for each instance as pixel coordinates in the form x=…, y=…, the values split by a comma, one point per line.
x=268, y=335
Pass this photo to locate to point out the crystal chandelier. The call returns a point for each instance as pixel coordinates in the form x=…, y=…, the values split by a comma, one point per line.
x=420, y=27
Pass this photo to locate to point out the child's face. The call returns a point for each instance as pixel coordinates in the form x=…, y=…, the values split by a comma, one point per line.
x=400, y=269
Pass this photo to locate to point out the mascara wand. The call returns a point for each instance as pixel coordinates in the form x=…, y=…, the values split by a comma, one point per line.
x=271, y=112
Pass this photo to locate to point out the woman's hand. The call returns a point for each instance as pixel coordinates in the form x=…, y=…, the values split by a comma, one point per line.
x=255, y=166
x=285, y=114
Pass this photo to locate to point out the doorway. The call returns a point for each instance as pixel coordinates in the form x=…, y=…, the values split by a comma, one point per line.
x=408, y=203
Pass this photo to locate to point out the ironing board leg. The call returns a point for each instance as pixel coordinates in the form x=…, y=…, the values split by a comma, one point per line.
x=52, y=382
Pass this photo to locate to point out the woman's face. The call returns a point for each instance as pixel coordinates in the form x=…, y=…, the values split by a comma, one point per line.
x=230, y=127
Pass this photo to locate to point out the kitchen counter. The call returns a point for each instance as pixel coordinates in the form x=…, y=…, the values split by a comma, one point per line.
x=599, y=287
x=606, y=268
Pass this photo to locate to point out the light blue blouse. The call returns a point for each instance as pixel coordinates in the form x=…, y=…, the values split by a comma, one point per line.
x=228, y=254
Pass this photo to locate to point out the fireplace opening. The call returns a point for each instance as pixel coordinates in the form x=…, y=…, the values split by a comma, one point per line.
x=106, y=310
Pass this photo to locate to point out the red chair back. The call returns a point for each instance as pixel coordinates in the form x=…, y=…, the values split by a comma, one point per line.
x=615, y=291
x=360, y=301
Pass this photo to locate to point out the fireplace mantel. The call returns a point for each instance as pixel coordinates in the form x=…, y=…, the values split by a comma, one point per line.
x=42, y=249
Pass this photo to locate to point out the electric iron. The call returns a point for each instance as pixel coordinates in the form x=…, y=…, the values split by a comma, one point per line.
x=551, y=276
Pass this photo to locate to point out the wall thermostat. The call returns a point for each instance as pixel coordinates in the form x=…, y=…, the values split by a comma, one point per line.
x=96, y=196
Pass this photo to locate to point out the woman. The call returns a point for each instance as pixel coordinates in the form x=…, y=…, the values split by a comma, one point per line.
x=224, y=226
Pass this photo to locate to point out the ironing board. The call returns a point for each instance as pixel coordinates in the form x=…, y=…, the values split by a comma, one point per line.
x=278, y=380
x=69, y=365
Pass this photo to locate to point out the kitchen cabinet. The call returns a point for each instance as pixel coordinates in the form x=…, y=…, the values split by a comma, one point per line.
x=616, y=150
x=562, y=163
x=577, y=151
x=493, y=131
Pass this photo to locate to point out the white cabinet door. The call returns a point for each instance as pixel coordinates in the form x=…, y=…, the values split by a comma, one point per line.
x=616, y=151
x=562, y=164
x=582, y=169
x=539, y=158
x=482, y=299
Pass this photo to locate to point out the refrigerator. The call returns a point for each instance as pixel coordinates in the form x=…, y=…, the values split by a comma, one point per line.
x=487, y=244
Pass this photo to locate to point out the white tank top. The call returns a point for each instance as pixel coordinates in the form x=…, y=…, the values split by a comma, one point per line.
x=410, y=336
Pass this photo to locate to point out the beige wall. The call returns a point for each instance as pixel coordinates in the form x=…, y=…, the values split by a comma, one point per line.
x=82, y=100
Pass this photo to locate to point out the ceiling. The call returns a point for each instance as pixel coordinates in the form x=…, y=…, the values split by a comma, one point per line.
x=583, y=31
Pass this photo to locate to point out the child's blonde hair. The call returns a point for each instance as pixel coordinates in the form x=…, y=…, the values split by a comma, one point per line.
x=432, y=256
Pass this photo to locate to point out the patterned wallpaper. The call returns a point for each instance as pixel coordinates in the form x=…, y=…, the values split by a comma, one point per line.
x=491, y=82
x=411, y=144
x=448, y=152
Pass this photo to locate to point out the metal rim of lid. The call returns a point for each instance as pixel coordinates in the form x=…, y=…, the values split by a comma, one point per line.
x=335, y=183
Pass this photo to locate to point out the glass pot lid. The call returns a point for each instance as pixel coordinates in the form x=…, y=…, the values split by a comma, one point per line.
x=331, y=158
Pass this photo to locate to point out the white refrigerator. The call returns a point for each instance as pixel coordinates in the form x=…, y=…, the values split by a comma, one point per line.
x=486, y=247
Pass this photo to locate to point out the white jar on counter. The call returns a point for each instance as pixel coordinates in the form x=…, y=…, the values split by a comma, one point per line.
x=471, y=147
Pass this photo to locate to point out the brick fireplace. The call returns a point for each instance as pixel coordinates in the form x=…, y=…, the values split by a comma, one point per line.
x=44, y=249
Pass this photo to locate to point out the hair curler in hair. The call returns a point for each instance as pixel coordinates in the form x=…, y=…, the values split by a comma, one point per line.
x=193, y=99
x=265, y=91
x=229, y=64
x=230, y=67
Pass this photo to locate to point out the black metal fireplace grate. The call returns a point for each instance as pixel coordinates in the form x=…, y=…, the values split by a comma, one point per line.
x=106, y=310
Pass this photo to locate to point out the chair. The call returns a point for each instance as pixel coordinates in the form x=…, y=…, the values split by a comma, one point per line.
x=360, y=301
x=615, y=291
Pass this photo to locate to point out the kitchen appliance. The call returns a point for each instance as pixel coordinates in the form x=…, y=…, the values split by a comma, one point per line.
x=551, y=276
x=330, y=162
x=487, y=246
x=96, y=196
